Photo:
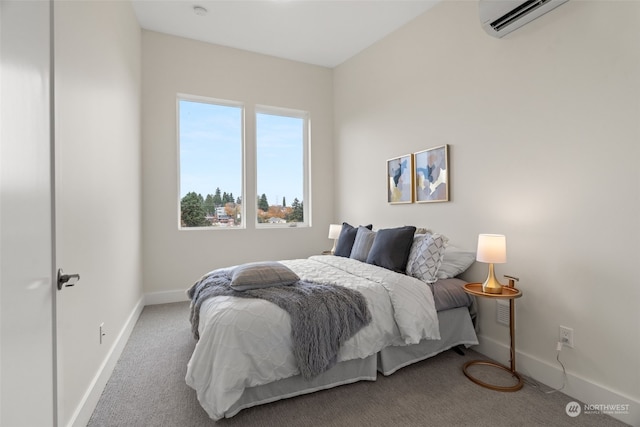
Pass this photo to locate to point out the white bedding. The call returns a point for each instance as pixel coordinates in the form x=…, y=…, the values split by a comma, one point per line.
x=247, y=342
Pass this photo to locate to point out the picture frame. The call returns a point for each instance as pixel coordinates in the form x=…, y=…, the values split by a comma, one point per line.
x=431, y=175
x=400, y=188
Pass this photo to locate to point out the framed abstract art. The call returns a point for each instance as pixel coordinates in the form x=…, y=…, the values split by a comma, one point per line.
x=432, y=175
x=400, y=179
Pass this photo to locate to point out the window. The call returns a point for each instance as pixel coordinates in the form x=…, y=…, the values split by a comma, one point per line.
x=210, y=135
x=281, y=165
x=211, y=140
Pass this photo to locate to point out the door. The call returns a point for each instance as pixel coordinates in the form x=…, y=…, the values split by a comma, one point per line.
x=27, y=288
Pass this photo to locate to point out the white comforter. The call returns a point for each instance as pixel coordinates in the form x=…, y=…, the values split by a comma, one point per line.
x=247, y=342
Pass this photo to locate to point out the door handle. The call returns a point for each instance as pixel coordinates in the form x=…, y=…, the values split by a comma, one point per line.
x=66, y=280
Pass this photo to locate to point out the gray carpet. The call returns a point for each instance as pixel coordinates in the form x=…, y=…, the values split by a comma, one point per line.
x=147, y=388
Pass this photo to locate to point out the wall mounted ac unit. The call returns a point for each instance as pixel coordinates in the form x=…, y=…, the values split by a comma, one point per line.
x=500, y=17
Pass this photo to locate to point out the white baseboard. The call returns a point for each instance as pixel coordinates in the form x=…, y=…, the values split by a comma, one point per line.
x=165, y=297
x=90, y=399
x=577, y=387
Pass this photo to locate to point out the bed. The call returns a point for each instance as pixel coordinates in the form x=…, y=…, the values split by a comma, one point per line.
x=243, y=357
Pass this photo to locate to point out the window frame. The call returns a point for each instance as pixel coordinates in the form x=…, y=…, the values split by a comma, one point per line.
x=243, y=169
x=306, y=164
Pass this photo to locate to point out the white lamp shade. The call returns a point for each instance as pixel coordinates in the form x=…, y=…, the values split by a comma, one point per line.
x=334, y=230
x=492, y=248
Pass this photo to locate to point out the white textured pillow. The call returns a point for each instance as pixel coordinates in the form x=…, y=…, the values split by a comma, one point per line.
x=455, y=261
x=422, y=230
x=426, y=256
x=258, y=275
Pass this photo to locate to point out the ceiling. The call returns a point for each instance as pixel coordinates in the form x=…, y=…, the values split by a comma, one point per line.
x=319, y=32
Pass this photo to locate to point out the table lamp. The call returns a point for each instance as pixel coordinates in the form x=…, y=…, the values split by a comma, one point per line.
x=334, y=233
x=492, y=249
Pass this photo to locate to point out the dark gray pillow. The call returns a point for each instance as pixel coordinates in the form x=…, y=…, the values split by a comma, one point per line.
x=362, y=244
x=346, y=239
x=391, y=248
x=256, y=275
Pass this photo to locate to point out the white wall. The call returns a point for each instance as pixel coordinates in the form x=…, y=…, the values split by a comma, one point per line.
x=543, y=133
x=174, y=259
x=98, y=191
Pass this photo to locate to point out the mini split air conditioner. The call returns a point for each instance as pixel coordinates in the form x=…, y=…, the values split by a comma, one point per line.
x=500, y=17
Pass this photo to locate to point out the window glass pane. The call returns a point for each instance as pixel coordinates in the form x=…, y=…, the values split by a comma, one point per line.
x=210, y=138
x=280, y=166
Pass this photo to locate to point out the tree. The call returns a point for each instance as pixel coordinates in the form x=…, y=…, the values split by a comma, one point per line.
x=297, y=212
x=209, y=205
x=284, y=202
x=263, y=203
x=217, y=199
x=276, y=212
x=192, y=211
x=225, y=198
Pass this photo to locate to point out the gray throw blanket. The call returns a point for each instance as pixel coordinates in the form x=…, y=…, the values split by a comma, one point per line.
x=323, y=316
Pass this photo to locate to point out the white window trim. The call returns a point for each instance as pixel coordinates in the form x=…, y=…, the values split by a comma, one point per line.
x=306, y=164
x=222, y=102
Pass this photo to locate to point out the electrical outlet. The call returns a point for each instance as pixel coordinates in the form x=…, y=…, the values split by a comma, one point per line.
x=102, y=332
x=566, y=336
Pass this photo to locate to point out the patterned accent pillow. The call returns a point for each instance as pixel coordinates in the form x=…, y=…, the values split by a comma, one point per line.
x=426, y=256
x=362, y=244
x=258, y=275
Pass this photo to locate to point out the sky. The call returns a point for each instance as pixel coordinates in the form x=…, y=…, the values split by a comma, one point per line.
x=211, y=152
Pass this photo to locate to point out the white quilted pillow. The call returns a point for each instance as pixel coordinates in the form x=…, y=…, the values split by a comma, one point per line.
x=426, y=256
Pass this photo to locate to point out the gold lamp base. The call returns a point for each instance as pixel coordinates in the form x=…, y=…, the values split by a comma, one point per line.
x=491, y=285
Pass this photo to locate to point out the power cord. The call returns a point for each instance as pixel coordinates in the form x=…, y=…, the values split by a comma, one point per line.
x=564, y=373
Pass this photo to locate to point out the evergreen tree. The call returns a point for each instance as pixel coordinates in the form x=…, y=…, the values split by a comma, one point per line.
x=263, y=203
x=217, y=199
x=209, y=205
x=192, y=211
x=297, y=213
x=284, y=202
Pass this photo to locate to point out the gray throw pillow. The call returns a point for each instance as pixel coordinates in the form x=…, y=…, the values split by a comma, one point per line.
x=391, y=248
x=346, y=239
x=362, y=244
x=258, y=275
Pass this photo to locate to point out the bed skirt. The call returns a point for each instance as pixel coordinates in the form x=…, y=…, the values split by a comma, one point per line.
x=456, y=329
